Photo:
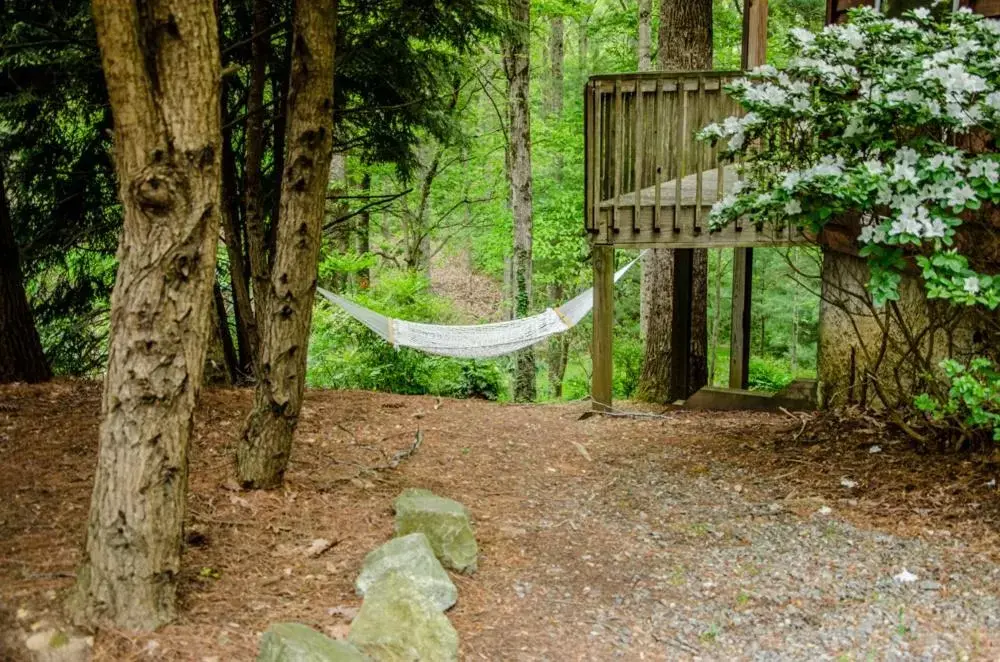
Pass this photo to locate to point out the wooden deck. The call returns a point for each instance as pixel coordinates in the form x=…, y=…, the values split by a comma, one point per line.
x=675, y=215
x=640, y=132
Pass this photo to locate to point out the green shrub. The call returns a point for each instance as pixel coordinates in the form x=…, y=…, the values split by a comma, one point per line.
x=627, y=355
x=768, y=374
x=973, y=399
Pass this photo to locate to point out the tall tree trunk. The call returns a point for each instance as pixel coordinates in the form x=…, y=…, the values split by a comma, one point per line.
x=648, y=261
x=558, y=353
x=583, y=45
x=517, y=49
x=685, y=43
x=161, y=63
x=263, y=451
x=247, y=335
x=21, y=355
x=253, y=189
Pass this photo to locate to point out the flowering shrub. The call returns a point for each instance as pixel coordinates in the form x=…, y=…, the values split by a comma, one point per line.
x=869, y=120
x=972, y=401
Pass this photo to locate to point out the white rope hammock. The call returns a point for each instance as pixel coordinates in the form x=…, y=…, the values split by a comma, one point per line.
x=477, y=341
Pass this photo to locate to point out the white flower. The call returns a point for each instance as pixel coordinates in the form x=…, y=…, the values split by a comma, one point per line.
x=793, y=207
x=907, y=156
x=791, y=180
x=923, y=13
x=874, y=166
x=802, y=36
x=986, y=168
x=971, y=285
x=934, y=228
x=959, y=195
x=993, y=99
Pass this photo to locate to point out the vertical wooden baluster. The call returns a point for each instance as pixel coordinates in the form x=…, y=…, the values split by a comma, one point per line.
x=696, y=147
x=720, y=174
x=640, y=151
x=657, y=152
x=680, y=149
x=600, y=172
x=617, y=148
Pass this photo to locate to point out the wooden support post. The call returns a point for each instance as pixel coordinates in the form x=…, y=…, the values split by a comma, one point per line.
x=680, y=331
x=604, y=314
x=739, y=345
x=754, y=55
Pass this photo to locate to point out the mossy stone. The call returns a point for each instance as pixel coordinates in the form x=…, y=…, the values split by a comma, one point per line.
x=398, y=623
x=412, y=556
x=295, y=642
x=445, y=522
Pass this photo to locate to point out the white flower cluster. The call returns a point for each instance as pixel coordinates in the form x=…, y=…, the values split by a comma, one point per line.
x=869, y=121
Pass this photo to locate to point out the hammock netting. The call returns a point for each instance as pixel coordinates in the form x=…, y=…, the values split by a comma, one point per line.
x=477, y=341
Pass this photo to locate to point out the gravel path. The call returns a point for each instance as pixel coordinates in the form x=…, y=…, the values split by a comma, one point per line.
x=675, y=560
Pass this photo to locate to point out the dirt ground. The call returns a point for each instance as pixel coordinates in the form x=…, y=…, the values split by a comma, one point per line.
x=684, y=536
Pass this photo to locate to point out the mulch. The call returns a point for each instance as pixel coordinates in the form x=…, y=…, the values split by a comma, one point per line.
x=247, y=565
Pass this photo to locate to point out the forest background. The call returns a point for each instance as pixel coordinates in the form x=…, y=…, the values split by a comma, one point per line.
x=419, y=220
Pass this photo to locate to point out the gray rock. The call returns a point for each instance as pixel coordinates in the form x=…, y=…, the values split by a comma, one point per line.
x=294, y=642
x=398, y=623
x=412, y=556
x=52, y=645
x=446, y=524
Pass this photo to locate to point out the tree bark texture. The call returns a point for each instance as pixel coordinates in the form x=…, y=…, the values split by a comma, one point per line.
x=21, y=355
x=685, y=43
x=517, y=64
x=253, y=190
x=262, y=453
x=161, y=64
x=657, y=287
x=645, y=35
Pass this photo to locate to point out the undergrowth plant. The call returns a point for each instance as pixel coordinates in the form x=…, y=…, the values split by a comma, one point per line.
x=887, y=123
x=346, y=355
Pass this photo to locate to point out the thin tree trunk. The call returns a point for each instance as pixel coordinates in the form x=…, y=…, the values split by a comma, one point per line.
x=340, y=232
x=363, y=236
x=253, y=190
x=221, y=318
x=247, y=334
x=263, y=451
x=645, y=35
x=21, y=355
x=558, y=355
x=558, y=344
x=517, y=51
x=583, y=45
x=162, y=69
x=685, y=43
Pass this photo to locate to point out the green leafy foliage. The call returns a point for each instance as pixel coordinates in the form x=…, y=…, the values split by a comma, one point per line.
x=972, y=401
